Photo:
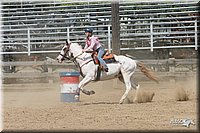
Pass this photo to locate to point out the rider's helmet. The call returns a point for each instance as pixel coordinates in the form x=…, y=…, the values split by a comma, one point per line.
x=90, y=30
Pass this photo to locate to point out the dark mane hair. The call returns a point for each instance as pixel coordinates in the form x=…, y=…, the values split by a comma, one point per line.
x=67, y=43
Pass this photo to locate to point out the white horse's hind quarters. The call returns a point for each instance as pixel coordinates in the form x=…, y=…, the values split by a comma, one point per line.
x=123, y=68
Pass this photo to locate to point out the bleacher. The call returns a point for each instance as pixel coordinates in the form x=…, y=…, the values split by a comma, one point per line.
x=43, y=26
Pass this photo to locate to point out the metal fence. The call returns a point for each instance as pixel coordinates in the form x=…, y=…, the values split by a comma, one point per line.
x=50, y=40
x=42, y=27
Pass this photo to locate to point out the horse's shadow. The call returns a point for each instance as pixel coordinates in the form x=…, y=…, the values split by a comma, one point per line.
x=97, y=103
x=112, y=103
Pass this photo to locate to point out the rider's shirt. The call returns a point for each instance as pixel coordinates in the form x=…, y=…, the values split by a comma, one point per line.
x=92, y=43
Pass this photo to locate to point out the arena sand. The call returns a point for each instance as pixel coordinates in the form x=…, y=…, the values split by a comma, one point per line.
x=38, y=107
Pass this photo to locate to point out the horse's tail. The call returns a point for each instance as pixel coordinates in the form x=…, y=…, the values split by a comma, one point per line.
x=147, y=72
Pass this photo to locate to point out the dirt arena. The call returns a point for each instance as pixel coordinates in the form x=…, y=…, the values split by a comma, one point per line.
x=38, y=107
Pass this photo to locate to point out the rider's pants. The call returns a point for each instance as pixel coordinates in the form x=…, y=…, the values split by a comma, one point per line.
x=100, y=52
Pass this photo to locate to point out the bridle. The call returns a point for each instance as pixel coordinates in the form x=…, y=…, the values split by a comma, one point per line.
x=64, y=56
x=73, y=59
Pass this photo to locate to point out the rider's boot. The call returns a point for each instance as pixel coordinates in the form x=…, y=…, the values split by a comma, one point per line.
x=106, y=69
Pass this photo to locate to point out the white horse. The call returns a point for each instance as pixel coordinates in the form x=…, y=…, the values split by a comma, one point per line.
x=123, y=68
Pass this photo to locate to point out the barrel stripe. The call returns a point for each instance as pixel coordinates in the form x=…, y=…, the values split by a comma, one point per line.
x=69, y=80
x=69, y=74
x=69, y=88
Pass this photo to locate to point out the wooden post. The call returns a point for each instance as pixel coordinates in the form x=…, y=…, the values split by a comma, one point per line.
x=115, y=33
x=172, y=69
x=115, y=27
x=50, y=71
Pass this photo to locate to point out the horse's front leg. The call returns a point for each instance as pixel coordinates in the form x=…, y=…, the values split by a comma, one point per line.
x=84, y=82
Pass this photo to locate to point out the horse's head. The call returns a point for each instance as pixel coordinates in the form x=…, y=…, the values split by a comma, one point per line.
x=64, y=53
x=69, y=51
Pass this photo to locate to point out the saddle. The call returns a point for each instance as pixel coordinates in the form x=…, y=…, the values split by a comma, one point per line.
x=107, y=57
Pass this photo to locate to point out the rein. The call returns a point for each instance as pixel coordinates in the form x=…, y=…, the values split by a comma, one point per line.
x=73, y=59
x=64, y=56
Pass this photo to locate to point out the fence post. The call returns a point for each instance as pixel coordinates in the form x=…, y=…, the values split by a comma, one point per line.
x=109, y=43
x=172, y=64
x=115, y=27
x=29, y=42
x=115, y=21
x=151, y=36
x=196, y=43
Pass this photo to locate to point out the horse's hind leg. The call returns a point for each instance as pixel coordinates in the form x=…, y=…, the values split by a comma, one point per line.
x=133, y=85
x=136, y=87
x=127, y=81
x=121, y=79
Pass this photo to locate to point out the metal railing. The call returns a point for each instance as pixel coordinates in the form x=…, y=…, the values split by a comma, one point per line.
x=76, y=34
x=35, y=38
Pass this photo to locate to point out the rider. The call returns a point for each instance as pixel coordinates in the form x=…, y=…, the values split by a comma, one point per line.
x=93, y=44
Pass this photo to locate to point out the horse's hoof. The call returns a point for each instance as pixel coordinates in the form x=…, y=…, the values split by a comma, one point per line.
x=135, y=101
x=86, y=92
x=92, y=92
x=120, y=102
x=138, y=86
